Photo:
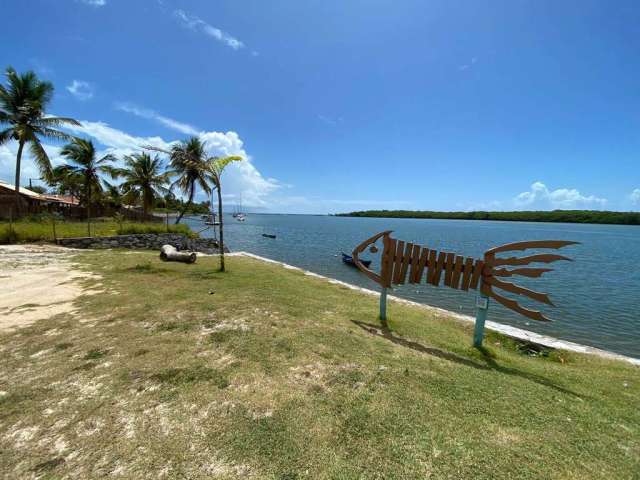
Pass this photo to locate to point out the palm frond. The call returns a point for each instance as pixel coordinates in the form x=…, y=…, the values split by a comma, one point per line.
x=42, y=159
x=52, y=133
x=56, y=122
x=6, y=135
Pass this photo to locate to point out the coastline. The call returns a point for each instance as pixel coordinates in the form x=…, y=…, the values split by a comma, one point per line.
x=509, y=331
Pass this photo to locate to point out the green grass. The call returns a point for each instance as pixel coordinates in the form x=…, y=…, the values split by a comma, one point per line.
x=282, y=376
x=37, y=231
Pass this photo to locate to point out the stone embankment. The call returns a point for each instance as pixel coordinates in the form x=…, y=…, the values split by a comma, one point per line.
x=152, y=241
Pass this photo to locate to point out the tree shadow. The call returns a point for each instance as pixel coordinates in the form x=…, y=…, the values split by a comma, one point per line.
x=385, y=332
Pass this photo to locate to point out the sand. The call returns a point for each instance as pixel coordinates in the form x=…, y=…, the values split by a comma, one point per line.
x=36, y=283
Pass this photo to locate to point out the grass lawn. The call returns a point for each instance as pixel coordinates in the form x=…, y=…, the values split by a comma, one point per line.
x=35, y=231
x=177, y=371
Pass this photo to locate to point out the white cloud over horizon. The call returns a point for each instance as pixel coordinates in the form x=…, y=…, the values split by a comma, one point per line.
x=635, y=196
x=153, y=115
x=94, y=3
x=81, y=90
x=196, y=24
x=539, y=196
x=239, y=178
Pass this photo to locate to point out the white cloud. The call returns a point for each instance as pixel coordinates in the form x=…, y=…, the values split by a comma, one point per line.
x=81, y=90
x=539, y=196
x=28, y=168
x=94, y=3
x=240, y=178
x=198, y=25
x=152, y=115
x=635, y=196
x=473, y=61
x=330, y=121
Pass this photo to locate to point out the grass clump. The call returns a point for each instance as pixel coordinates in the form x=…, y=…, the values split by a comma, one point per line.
x=199, y=373
x=95, y=354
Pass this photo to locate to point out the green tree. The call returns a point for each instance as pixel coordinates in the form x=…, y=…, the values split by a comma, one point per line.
x=215, y=167
x=23, y=103
x=188, y=162
x=84, y=167
x=113, y=195
x=143, y=179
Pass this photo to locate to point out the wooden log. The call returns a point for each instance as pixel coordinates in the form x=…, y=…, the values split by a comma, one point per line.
x=169, y=253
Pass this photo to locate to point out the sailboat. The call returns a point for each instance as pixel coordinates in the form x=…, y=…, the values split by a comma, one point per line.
x=238, y=215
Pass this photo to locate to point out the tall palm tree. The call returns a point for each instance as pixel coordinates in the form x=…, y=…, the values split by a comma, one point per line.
x=215, y=167
x=143, y=179
x=23, y=103
x=188, y=161
x=85, y=167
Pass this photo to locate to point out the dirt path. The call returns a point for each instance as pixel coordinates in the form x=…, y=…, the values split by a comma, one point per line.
x=38, y=282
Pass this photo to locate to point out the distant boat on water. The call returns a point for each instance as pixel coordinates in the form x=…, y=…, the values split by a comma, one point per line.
x=348, y=259
x=268, y=235
x=237, y=214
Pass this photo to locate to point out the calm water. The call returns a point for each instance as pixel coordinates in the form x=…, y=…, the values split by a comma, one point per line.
x=597, y=295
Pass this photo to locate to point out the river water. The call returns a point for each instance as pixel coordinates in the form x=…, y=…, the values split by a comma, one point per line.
x=597, y=295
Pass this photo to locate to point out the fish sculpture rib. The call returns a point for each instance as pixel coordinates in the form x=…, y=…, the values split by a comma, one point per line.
x=524, y=272
x=529, y=245
x=510, y=287
x=541, y=258
x=513, y=305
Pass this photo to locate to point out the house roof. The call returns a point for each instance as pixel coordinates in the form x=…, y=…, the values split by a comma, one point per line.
x=65, y=199
x=24, y=191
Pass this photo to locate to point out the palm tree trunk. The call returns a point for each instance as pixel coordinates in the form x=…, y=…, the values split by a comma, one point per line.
x=221, y=229
x=17, y=184
x=88, y=209
x=192, y=192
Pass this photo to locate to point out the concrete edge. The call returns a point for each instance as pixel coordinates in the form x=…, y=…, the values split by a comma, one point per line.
x=507, y=330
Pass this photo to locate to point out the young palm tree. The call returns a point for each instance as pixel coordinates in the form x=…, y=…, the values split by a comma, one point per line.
x=23, y=102
x=143, y=179
x=113, y=195
x=86, y=168
x=215, y=167
x=188, y=161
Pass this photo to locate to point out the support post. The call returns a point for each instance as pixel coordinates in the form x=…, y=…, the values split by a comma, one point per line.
x=383, y=304
x=482, y=306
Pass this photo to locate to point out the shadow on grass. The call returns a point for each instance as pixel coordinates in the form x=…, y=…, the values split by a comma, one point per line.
x=385, y=332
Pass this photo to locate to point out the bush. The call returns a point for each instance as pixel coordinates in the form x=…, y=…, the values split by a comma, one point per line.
x=41, y=230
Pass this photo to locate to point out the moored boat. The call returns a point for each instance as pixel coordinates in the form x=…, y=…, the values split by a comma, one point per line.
x=348, y=259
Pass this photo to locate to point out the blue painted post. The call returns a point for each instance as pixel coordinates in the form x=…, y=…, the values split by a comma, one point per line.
x=482, y=306
x=383, y=304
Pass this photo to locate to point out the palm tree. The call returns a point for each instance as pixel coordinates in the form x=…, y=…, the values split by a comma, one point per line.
x=215, y=167
x=113, y=195
x=23, y=102
x=86, y=168
x=143, y=179
x=188, y=160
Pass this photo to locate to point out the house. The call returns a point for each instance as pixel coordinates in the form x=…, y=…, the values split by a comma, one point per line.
x=32, y=202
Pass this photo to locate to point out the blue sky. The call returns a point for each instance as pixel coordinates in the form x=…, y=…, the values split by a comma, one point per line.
x=343, y=105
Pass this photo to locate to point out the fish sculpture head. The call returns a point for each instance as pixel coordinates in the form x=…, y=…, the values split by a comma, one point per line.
x=371, y=245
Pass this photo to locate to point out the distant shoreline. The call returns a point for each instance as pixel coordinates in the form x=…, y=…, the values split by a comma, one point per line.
x=554, y=216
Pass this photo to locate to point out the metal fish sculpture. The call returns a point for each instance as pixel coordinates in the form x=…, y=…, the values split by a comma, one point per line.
x=405, y=262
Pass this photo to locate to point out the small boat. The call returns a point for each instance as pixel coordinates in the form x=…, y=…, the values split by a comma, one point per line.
x=348, y=259
x=210, y=219
x=268, y=235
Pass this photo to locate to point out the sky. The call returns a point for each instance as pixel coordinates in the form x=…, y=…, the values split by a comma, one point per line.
x=352, y=105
